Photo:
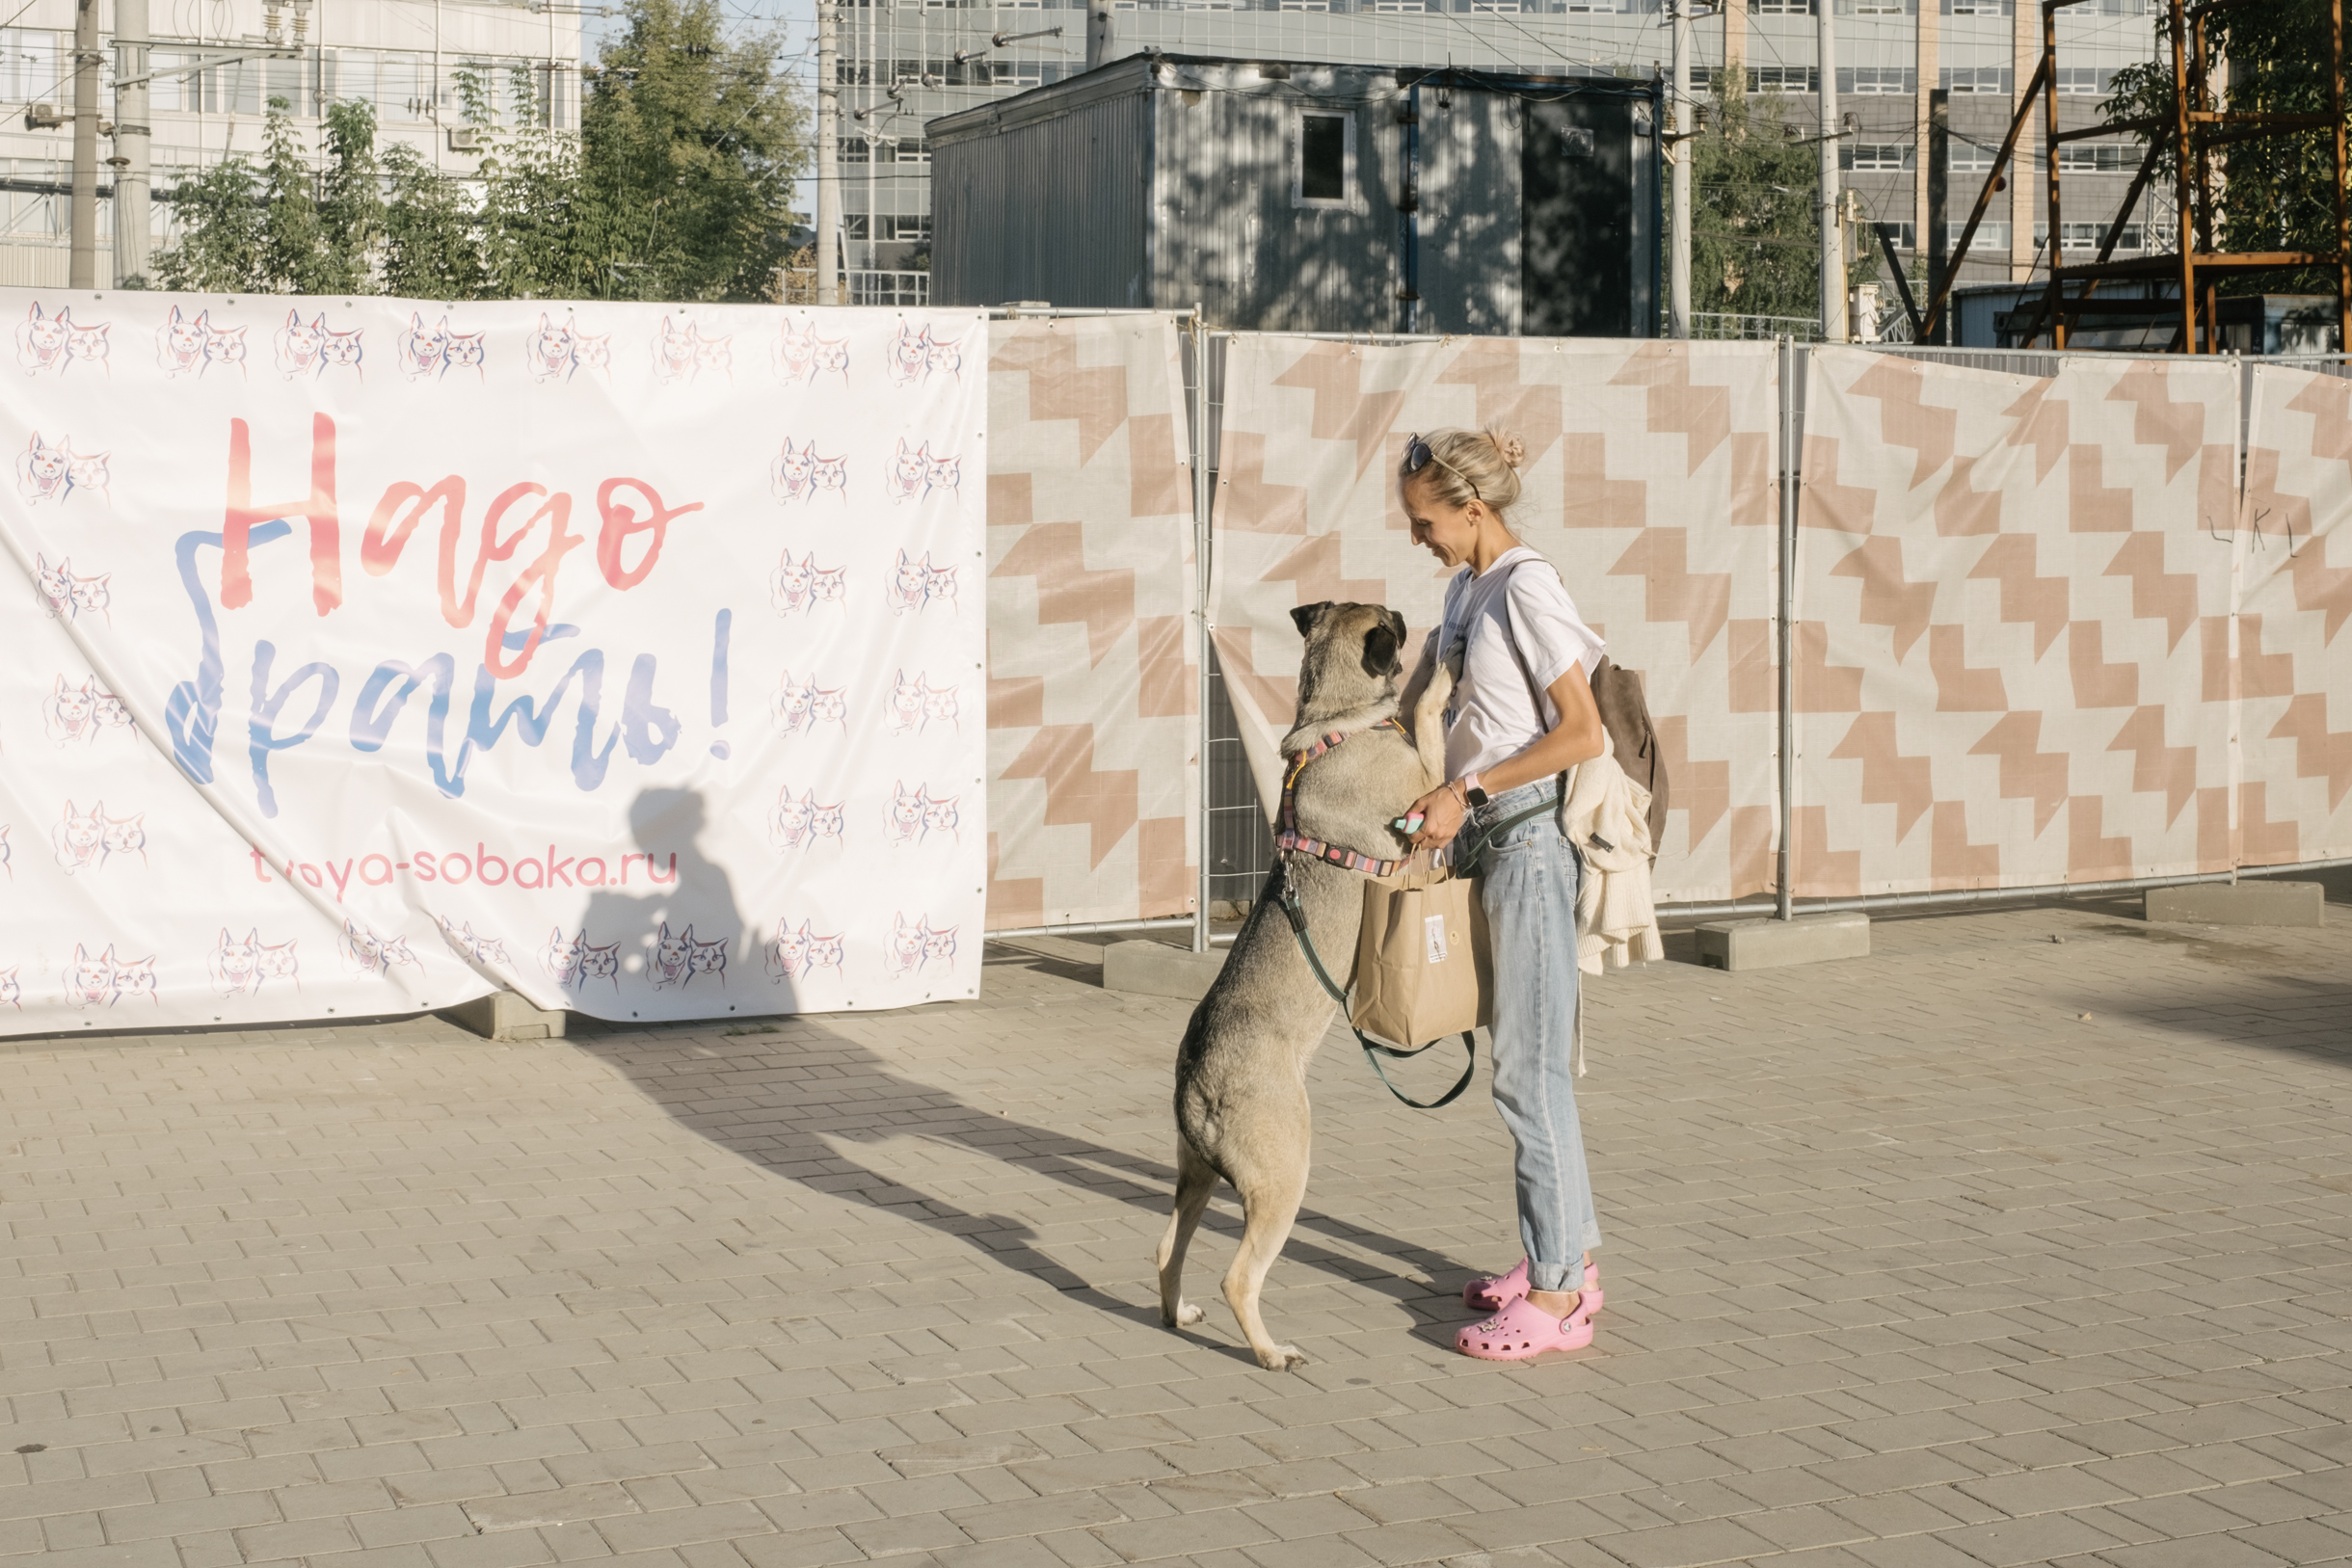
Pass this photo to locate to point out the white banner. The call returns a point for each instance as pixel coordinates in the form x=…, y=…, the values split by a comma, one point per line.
x=370, y=655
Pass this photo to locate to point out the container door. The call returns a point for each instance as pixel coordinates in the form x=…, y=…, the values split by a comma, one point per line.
x=1576, y=218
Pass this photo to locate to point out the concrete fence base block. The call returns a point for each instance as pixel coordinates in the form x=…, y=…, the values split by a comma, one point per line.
x=2240, y=903
x=504, y=1016
x=1154, y=969
x=1770, y=945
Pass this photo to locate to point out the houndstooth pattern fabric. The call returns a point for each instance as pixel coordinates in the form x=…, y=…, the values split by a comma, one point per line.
x=2294, y=656
x=2012, y=639
x=1648, y=482
x=1093, y=684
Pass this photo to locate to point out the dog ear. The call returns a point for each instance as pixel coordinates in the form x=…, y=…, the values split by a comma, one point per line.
x=1396, y=619
x=1306, y=615
x=1381, y=651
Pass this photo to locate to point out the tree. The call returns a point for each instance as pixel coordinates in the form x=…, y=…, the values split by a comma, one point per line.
x=689, y=147
x=430, y=251
x=2274, y=194
x=1755, y=234
x=349, y=200
x=220, y=233
x=283, y=227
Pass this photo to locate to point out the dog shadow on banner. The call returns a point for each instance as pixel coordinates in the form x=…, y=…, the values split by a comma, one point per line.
x=795, y=1094
x=676, y=935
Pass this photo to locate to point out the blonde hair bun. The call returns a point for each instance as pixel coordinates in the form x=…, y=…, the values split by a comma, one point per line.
x=1512, y=449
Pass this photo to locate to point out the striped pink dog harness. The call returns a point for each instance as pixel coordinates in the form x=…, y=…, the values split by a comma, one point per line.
x=1289, y=838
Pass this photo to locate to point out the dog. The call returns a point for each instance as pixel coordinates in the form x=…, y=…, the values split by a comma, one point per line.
x=1241, y=1110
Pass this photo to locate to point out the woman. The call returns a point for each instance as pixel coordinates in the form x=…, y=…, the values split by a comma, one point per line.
x=1520, y=716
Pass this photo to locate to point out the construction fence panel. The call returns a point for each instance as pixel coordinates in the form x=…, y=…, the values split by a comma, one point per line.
x=2011, y=645
x=2294, y=661
x=1093, y=675
x=1648, y=479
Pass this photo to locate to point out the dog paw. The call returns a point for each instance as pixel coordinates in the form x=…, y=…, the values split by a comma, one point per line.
x=1281, y=1358
x=1187, y=1315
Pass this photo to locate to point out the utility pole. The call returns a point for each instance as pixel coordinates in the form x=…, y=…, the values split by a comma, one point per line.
x=1832, y=229
x=82, y=270
x=1938, y=170
x=132, y=142
x=1098, y=32
x=1678, y=262
x=828, y=153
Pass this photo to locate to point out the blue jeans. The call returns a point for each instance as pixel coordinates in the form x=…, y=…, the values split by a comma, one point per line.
x=1529, y=894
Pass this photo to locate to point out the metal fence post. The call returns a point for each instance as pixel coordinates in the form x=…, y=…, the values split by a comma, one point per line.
x=1200, y=618
x=1788, y=600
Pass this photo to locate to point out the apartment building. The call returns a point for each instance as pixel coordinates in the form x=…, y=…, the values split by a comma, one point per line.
x=905, y=64
x=215, y=73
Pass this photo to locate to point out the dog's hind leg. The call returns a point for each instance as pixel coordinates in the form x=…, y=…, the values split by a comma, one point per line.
x=1272, y=1182
x=1194, y=1182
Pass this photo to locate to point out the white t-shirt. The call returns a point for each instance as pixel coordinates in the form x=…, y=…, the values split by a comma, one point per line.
x=1492, y=716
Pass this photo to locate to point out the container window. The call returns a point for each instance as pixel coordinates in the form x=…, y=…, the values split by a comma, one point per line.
x=1326, y=146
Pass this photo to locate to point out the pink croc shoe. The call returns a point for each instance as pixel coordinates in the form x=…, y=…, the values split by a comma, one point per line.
x=1493, y=1296
x=1523, y=1331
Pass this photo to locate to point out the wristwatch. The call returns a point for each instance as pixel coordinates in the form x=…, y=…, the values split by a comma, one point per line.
x=1471, y=792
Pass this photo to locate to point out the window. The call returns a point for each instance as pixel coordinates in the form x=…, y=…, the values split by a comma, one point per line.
x=1880, y=7
x=1992, y=79
x=1324, y=149
x=1781, y=8
x=2082, y=81
x=1784, y=79
x=1907, y=235
x=1992, y=239
x=1880, y=79
x=1399, y=8
x=1882, y=156
x=2087, y=236
x=1979, y=8
x=1968, y=157
x=2099, y=158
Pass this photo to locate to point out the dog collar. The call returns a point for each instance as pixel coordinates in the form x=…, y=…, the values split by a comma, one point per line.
x=1289, y=838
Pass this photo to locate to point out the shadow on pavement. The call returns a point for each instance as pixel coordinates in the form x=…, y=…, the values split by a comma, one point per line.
x=796, y=1098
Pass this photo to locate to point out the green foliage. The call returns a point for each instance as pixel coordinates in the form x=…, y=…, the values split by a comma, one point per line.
x=2273, y=194
x=220, y=250
x=676, y=188
x=1755, y=237
x=690, y=148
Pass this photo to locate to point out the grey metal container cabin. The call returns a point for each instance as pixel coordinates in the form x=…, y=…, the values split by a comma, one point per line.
x=1286, y=196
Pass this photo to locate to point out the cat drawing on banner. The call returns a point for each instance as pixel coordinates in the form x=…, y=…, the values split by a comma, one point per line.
x=235, y=965
x=788, y=585
x=706, y=958
x=276, y=963
x=905, y=704
x=92, y=596
x=829, y=706
x=113, y=713
x=53, y=590
x=10, y=992
x=910, y=355
x=787, y=951
x=939, y=706
x=423, y=349
x=561, y=957
x=473, y=950
x=80, y=837
x=671, y=957
x=943, y=357
x=674, y=353
x=88, y=346
x=180, y=343
x=832, y=477
x=794, y=353
x=828, y=824
x=298, y=347
x=88, y=474
x=342, y=351
x=123, y=836
x=598, y=963
x=917, y=472
x=790, y=706
x=548, y=352
x=917, y=947
x=824, y=953
x=915, y=584
x=463, y=352
x=45, y=472
x=101, y=979
x=905, y=815
x=829, y=587
x=940, y=816
x=224, y=349
x=832, y=359
x=369, y=953
x=792, y=476
x=792, y=824
x=40, y=339
x=4, y=853
x=71, y=713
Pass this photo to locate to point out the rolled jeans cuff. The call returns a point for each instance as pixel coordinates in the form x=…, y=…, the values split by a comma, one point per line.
x=1560, y=1278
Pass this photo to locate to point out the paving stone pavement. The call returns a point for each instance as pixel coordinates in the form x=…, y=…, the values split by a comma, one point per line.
x=2027, y=1239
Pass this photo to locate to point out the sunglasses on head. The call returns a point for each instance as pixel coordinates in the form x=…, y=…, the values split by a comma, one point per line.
x=1418, y=456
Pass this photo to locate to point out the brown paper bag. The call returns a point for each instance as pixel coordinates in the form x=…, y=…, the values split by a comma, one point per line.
x=1424, y=967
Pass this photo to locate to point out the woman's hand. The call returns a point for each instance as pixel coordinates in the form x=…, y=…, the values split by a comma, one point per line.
x=1441, y=817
